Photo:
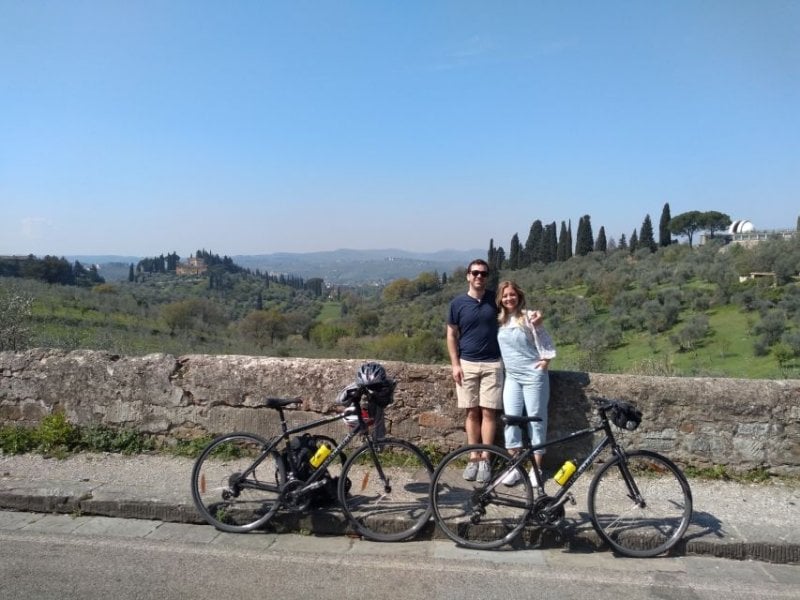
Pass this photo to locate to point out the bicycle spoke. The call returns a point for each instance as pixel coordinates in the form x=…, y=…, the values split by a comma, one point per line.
x=224, y=496
x=655, y=521
x=480, y=514
x=391, y=507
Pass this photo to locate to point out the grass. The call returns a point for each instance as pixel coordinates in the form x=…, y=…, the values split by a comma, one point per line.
x=189, y=448
x=331, y=311
x=722, y=473
x=726, y=352
x=56, y=436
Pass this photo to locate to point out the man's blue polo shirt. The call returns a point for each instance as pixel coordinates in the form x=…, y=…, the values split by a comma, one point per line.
x=477, y=324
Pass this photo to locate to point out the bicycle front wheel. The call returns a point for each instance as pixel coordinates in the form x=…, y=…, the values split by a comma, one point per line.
x=641, y=504
x=478, y=514
x=236, y=487
x=386, y=495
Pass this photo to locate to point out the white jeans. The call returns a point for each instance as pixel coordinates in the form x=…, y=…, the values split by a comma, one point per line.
x=528, y=394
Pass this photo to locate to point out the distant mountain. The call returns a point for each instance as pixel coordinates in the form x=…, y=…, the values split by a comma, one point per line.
x=343, y=266
x=99, y=259
x=346, y=266
x=110, y=267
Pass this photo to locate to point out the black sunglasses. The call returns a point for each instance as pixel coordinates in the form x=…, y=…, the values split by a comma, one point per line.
x=479, y=273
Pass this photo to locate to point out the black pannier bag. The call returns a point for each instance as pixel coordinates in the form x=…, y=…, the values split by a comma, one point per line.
x=297, y=458
x=626, y=416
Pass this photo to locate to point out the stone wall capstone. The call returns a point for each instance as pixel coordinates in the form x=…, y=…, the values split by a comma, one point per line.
x=741, y=424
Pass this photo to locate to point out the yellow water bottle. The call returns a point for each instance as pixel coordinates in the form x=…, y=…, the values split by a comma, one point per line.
x=323, y=451
x=565, y=472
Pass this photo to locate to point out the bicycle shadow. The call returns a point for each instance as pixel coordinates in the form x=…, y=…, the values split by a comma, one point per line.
x=704, y=524
x=575, y=533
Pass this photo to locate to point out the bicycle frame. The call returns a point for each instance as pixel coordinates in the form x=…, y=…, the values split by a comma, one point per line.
x=315, y=481
x=563, y=494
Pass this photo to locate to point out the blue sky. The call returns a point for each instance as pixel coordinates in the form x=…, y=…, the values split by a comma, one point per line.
x=137, y=128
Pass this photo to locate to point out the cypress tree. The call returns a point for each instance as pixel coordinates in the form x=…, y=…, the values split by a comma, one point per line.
x=549, y=246
x=515, y=250
x=579, y=238
x=494, y=268
x=533, y=244
x=646, y=239
x=563, y=244
x=499, y=258
x=569, y=237
x=664, y=235
x=553, y=242
x=585, y=241
x=600, y=244
x=491, y=255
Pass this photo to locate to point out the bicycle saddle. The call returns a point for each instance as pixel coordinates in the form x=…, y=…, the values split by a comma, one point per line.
x=520, y=420
x=281, y=402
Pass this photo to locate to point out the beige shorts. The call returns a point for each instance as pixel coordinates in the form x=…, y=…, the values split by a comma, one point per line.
x=482, y=385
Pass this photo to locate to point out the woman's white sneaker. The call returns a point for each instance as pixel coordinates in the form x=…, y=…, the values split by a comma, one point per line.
x=532, y=477
x=512, y=478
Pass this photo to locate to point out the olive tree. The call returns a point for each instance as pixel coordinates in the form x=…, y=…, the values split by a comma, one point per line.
x=15, y=313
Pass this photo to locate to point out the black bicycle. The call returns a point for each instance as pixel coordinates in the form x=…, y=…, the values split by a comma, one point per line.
x=640, y=502
x=241, y=480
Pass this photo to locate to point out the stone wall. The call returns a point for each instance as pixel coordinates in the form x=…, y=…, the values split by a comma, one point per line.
x=742, y=424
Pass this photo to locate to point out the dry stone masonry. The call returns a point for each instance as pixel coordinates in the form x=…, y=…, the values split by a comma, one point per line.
x=741, y=424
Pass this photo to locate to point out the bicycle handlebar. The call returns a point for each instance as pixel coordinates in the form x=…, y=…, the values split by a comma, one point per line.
x=604, y=404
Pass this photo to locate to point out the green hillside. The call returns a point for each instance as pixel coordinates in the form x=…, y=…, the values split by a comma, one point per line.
x=678, y=311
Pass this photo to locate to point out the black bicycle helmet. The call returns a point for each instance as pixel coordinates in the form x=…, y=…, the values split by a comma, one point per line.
x=379, y=386
x=371, y=373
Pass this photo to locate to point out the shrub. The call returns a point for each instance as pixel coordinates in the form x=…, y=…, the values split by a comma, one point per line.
x=15, y=439
x=100, y=438
x=792, y=339
x=783, y=353
x=15, y=314
x=190, y=448
x=771, y=327
x=56, y=434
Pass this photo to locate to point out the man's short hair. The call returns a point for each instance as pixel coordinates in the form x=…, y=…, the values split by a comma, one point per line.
x=477, y=261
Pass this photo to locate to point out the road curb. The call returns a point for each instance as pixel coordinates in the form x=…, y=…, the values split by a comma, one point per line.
x=332, y=522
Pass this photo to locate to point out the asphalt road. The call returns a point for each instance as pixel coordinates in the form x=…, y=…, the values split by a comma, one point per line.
x=64, y=557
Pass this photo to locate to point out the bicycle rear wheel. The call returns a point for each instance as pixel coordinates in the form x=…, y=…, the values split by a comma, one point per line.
x=235, y=487
x=480, y=515
x=646, y=518
x=387, y=497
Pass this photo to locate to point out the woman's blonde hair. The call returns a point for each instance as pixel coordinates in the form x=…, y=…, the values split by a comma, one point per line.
x=502, y=313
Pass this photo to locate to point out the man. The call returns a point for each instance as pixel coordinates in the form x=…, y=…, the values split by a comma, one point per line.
x=476, y=363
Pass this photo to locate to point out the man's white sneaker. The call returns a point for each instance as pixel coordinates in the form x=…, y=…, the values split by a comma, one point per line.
x=483, y=472
x=471, y=470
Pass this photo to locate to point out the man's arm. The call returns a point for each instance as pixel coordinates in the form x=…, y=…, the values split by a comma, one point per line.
x=452, y=349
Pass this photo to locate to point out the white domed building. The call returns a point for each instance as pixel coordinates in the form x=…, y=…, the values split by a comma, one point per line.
x=742, y=231
x=741, y=226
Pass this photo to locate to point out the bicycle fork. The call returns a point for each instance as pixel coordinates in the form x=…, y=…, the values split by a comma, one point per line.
x=633, y=490
x=387, y=484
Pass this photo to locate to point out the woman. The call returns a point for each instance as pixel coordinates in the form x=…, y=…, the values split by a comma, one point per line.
x=527, y=350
